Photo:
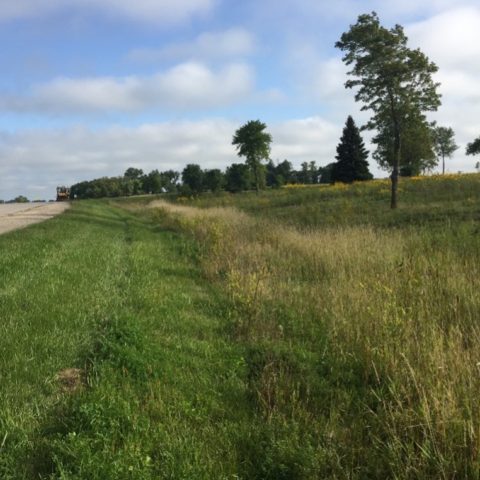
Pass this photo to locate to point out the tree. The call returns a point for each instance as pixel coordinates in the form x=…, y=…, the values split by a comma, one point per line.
x=170, y=180
x=238, y=177
x=278, y=175
x=444, y=143
x=416, y=155
x=152, y=183
x=192, y=177
x=253, y=143
x=284, y=169
x=473, y=148
x=325, y=173
x=273, y=179
x=133, y=173
x=393, y=81
x=213, y=180
x=351, y=156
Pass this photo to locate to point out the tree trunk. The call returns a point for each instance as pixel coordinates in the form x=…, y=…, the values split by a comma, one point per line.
x=443, y=164
x=396, y=168
x=255, y=172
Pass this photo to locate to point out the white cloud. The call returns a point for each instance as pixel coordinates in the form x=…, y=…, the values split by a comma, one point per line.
x=451, y=39
x=150, y=11
x=304, y=140
x=234, y=42
x=189, y=85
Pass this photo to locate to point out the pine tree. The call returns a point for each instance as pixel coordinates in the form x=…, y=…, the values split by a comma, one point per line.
x=351, y=156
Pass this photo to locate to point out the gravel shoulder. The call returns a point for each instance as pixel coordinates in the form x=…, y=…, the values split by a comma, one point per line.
x=20, y=215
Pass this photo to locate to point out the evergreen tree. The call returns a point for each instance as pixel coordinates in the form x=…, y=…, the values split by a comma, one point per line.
x=351, y=156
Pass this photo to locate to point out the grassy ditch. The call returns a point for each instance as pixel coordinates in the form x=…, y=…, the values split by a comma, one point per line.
x=362, y=342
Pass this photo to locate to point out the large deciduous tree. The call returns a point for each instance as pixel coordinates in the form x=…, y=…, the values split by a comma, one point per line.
x=444, y=143
x=253, y=143
x=394, y=81
x=351, y=156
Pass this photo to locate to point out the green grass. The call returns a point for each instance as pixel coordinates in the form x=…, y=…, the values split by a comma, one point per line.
x=101, y=290
x=423, y=199
x=302, y=334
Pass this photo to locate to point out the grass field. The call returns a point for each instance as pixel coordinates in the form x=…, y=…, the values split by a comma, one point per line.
x=303, y=333
x=162, y=394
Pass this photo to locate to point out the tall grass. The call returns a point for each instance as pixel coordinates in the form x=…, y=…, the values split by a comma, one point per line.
x=363, y=342
x=421, y=199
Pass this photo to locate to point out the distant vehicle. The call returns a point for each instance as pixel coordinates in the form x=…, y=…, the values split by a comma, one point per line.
x=63, y=193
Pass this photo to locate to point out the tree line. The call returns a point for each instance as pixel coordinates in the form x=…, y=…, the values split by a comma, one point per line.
x=194, y=180
x=423, y=149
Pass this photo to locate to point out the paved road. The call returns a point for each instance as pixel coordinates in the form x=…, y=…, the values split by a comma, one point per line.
x=20, y=215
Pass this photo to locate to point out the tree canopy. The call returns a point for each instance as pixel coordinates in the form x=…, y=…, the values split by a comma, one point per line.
x=392, y=80
x=416, y=155
x=253, y=143
x=351, y=156
x=193, y=177
x=473, y=148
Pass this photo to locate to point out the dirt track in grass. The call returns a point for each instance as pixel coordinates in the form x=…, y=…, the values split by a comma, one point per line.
x=19, y=215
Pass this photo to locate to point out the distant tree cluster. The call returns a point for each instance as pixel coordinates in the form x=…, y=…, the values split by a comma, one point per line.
x=133, y=182
x=194, y=180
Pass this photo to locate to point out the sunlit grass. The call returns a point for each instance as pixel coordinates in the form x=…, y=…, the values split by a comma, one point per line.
x=303, y=333
x=364, y=338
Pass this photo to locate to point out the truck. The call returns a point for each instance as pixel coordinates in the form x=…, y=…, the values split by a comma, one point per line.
x=63, y=193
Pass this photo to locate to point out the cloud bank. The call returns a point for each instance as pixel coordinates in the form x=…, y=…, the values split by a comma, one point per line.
x=189, y=85
x=160, y=12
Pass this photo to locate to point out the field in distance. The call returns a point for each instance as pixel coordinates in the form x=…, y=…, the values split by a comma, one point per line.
x=20, y=215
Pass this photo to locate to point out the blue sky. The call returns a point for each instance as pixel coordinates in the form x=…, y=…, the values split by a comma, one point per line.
x=91, y=87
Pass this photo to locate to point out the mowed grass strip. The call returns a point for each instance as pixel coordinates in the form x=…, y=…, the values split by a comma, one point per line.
x=115, y=358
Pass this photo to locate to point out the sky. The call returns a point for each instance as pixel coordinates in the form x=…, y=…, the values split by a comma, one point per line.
x=92, y=87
